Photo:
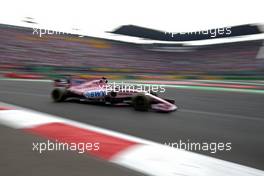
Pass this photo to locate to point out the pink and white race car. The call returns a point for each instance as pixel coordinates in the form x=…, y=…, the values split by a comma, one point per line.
x=100, y=91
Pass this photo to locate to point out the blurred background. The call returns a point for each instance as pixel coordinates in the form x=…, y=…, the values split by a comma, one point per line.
x=24, y=53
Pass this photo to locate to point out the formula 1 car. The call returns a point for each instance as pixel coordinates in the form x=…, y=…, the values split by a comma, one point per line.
x=100, y=91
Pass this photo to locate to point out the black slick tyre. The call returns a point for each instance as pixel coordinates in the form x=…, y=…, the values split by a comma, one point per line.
x=59, y=94
x=141, y=102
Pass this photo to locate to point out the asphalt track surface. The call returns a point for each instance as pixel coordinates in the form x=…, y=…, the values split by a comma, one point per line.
x=203, y=116
x=18, y=159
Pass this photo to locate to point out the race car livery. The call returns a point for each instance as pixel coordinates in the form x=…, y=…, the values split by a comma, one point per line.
x=100, y=91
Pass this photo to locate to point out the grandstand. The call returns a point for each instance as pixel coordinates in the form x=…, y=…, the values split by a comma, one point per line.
x=21, y=50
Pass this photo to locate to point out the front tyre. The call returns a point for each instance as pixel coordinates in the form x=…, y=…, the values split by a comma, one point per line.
x=59, y=94
x=141, y=102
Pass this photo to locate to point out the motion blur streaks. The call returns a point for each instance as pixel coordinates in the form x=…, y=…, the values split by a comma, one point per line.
x=24, y=51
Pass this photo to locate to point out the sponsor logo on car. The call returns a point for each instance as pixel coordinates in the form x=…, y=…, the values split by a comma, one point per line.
x=94, y=94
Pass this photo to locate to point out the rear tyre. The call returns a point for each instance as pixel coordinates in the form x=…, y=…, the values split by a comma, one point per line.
x=141, y=102
x=59, y=94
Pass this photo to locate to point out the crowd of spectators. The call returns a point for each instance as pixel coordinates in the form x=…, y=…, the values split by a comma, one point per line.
x=22, y=50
